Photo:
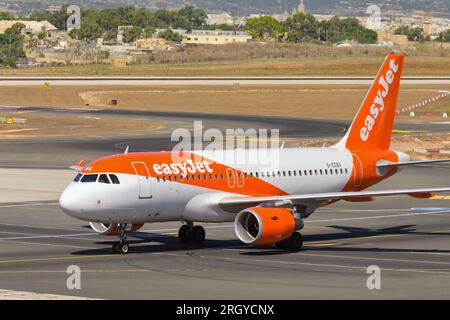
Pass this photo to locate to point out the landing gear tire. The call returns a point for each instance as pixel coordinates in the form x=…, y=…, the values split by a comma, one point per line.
x=197, y=235
x=191, y=234
x=121, y=247
x=294, y=242
x=183, y=233
x=281, y=245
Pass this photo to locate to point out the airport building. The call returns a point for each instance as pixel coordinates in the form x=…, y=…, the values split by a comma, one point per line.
x=216, y=37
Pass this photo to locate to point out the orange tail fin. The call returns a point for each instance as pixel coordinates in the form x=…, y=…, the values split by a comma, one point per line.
x=372, y=126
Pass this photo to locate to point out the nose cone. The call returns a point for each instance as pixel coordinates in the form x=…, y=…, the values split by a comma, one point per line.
x=70, y=203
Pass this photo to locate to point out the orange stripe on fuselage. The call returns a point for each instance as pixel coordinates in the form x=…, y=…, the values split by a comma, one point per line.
x=160, y=164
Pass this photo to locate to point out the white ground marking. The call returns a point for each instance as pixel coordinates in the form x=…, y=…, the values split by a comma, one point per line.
x=25, y=295
x=310, y=264
x=31, y=204
x=379, y=217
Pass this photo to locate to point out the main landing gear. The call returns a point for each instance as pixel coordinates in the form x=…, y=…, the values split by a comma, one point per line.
x=189, y=233
x=293, y=243
x=121, y=247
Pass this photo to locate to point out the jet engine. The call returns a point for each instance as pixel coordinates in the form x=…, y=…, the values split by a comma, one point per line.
x=112, y=229
x=264, y=226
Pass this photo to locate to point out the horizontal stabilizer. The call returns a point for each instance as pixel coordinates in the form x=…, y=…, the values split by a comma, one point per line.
x=410, y=163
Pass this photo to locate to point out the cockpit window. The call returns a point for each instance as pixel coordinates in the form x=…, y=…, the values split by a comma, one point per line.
x=114, y=179
x=103, y=179
x=78, y=177
x=89, y=178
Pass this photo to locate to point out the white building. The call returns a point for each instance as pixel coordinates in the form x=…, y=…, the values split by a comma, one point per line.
x=32, y=27
x=221, y=18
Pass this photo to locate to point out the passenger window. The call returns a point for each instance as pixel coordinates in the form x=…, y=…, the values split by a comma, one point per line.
x=89, y=178
x=326, y=171
x=78, y=177
x=103, y=179
x=321, y=172
x=342, y=171
x=114, y=179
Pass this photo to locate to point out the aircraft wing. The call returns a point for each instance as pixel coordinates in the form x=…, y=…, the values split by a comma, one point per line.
x=239, y=203
x=410, y=163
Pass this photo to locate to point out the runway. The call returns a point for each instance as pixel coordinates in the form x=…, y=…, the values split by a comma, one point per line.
x=409, y=239
x=178, y=81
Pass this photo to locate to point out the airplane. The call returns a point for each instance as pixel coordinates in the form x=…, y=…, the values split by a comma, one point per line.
x=118, y=194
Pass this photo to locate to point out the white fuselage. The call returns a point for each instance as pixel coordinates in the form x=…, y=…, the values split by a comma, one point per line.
x=139, y=199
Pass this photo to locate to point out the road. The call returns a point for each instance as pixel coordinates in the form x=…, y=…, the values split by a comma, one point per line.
x=183, y=81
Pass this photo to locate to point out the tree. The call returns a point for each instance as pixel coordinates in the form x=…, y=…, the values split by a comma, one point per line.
x=132, y=34
x=90, y=30
x=264, y=28
x=173, y=19
x=170, y=35
x=413, y=34
x=110, y=35
x=11, y=45
x=149, y=31
x=196, y=16
x=301, y=27
x=7, y=16
x=444, y=36
x=58, y=18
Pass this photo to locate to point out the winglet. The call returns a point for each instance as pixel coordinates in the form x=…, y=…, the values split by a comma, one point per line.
x=78, y=166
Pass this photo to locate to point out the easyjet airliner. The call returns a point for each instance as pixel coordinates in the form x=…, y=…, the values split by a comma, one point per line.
x=119, y=193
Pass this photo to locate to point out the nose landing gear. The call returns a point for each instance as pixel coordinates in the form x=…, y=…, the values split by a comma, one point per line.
x=121, y=247
x=189, y=233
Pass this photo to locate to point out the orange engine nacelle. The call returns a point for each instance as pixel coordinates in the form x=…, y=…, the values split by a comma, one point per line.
x=264, y=226
x=112, y=229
